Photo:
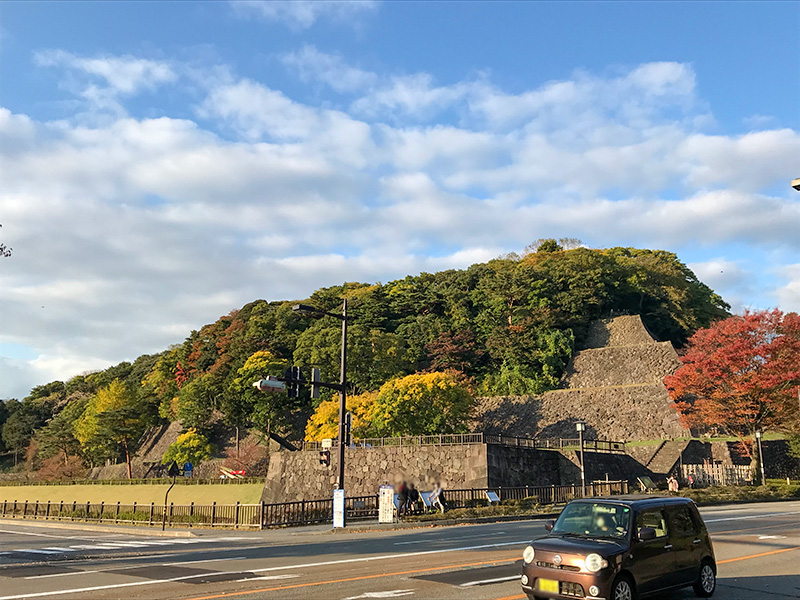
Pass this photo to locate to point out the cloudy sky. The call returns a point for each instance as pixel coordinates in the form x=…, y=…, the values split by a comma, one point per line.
x=164, y=163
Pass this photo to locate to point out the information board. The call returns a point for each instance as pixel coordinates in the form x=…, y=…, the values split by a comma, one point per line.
x=338, y=508
x=386, y=504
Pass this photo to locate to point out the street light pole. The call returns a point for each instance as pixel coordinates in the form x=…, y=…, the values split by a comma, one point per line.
x=342, y=398
x=581, y=427
x=761, y=457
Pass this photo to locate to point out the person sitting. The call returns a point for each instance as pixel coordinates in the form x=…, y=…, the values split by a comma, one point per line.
x=603, y=524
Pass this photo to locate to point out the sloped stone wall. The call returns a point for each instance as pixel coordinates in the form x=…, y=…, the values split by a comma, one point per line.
x=616, y=386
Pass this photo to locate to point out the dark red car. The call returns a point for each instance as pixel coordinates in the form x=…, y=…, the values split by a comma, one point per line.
x=621, y=548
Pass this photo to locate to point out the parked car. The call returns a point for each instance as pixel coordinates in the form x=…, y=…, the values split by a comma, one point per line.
x=621, y=548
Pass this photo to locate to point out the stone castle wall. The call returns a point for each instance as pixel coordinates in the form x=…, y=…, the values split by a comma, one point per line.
x=615, y=385
x=299, y=475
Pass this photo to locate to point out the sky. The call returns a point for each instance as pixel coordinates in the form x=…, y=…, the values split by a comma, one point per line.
x=164, y=163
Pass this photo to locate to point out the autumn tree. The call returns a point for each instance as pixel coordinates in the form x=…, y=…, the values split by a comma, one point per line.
x=245, y=405
x=741, y=374
x=191, y=446
x=324, y=423
x=57, y=438
x=419, y=404
x=113, y=418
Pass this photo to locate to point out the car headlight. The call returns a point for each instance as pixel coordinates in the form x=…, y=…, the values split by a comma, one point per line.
x=595, y=562
x=528, y=554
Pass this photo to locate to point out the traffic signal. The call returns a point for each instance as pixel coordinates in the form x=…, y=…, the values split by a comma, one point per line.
x=316, y=377
x=325, y=458
x=294, y=379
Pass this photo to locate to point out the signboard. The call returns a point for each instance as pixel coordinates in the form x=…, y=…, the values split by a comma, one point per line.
x=386, y=504
x=187, y=469
x=338, y=508
x=327, y=443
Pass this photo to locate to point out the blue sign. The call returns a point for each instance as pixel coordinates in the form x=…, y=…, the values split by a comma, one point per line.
x=188, y=467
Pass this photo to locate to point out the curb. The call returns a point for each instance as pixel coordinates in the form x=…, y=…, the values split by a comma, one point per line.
x=442, y=523
x=126, y=529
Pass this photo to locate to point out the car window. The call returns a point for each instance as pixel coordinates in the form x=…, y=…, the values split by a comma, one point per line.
x=681, y=520
x=599, y=519
x=654, y=518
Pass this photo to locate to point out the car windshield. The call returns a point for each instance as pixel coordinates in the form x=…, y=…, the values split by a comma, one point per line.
x=594, y=520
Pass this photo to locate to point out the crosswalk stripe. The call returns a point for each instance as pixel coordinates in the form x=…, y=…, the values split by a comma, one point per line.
x=31, y=551
x=60, y=549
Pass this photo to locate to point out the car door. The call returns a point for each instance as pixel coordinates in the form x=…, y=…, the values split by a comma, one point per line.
x=653, y=562
x=686, y=544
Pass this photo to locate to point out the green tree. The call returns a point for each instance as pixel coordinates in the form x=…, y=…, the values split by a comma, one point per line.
x=426, y=403
x=58, y=436
x=243, y=404
x=113, y=418
x=195, y=404
x=190, y=447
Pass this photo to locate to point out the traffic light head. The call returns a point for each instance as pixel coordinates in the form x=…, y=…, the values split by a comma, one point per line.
x=325, y=458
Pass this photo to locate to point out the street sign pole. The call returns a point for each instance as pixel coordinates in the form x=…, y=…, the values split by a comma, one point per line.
x=342, y=398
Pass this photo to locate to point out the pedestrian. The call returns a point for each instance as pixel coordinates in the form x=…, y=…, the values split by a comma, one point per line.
x=672, y=484
x=437, y=497
x=691, y=481
x=402, y=499
x=413, y=497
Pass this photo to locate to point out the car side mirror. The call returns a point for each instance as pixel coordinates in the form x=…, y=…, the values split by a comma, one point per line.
x=646, y=534
x=549, y=525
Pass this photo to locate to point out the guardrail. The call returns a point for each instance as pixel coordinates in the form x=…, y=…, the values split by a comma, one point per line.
x=459, y=439
x=282, y=514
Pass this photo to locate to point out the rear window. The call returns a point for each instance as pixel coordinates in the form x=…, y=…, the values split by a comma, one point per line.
x=654, y=518
x=683, y=525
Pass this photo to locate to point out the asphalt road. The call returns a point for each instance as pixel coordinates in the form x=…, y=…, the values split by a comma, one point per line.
x=757, y=548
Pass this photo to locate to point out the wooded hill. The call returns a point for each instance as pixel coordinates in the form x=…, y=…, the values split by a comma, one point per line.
x=509, y=325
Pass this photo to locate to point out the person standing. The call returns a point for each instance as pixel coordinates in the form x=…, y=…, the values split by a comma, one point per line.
x=413, y=498
x=402, y=499
x=437, y=497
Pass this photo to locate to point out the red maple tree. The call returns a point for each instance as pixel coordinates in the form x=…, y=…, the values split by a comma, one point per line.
x=741, y=374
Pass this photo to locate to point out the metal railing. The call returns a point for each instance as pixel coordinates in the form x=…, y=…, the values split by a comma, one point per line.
x=148, y=481
x=459, y=439
x=281, y=514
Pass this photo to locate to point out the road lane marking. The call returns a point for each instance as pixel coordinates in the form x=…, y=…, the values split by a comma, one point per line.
x=267, y=578
x=518, y=597
x=267, y=569
x=770, y=553
x=61, y=537
x=59, y=549
x=455, y=539
x=385, y=594
x=115, y=569
x=31, y=551
x=351, y=579
x=487, y=581
x=762, y=527
x=794, y=512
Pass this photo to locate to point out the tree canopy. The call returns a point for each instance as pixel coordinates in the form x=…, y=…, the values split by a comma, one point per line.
x=742, y=374
x=509, y=325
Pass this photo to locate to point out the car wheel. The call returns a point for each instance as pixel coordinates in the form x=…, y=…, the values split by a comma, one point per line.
x=706, y=582
x=622, y=589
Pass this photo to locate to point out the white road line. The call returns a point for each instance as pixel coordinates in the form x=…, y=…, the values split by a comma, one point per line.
x=485, y=581
x=778, y=514
x=59, y=549
x=30, y=551
x=267, y=578
x=172, y=564
x=455, y=539
x=264, y=570
x=61, y=537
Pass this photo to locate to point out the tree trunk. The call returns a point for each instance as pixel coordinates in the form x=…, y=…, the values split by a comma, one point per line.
x=127, y=458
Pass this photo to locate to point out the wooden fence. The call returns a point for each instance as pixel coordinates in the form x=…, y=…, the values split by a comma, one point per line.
x=716, y=474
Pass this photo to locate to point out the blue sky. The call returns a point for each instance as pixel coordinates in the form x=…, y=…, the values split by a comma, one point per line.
x=164, y=163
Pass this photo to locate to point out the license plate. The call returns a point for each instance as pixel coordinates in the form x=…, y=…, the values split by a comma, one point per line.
x=548, y=585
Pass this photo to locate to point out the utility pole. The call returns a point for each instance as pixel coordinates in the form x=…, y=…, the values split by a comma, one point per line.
x=342, y=398
x=581, y=427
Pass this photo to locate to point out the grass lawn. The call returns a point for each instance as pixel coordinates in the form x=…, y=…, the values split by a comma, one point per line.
x=246, y=493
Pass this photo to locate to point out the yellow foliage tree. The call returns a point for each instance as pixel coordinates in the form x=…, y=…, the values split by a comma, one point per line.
x=324, y=423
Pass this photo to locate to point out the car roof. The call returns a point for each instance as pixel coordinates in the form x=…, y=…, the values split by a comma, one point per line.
x=638, y=500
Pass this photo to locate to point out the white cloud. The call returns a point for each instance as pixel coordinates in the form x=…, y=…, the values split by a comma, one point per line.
x=312, y=65
x=130, y=232
x=302, y=14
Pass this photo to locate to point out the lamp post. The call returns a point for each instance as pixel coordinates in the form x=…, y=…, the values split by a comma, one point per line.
x=759, y=435
x=342, y=387
x=580, y=426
